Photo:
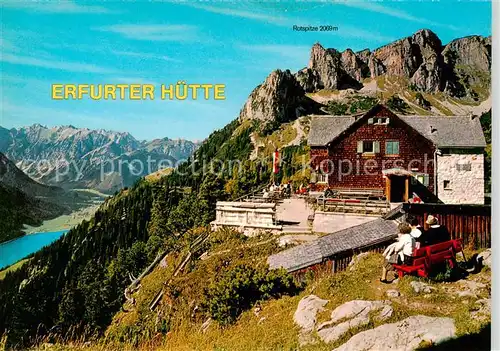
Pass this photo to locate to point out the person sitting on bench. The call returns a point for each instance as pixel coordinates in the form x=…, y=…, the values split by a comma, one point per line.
x=435, y=234
x=399, y=252
x=416, y=229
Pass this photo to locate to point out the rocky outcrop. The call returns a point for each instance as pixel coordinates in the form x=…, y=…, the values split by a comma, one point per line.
x=305, y=317
x=407, y=334
x=467, y=64
x=279, y=99
x=405, y=56
x=330, y=69
x=420, y=58
x=308, y=308
x=353, y=314
x=472, y=51
x=462, y=68
x=328, y=65
x=484, y=258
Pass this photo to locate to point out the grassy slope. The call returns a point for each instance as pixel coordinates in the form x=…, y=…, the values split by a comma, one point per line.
x=12, y=268
x=387, y=86
x=273, y=328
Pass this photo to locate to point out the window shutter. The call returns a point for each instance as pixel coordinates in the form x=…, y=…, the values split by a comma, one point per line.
x=360, y=146
x=314, y=178
x=370, y=120
x=426, y=179
x=376, y=147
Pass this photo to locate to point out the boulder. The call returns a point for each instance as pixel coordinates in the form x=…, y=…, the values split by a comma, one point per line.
x=356, y=308
x=334, y=333
x=385, y=313
x=483, y=312
x=403, y=335
x=308, y=308
x=353, y=314
x=484, y=258
x=392, y=293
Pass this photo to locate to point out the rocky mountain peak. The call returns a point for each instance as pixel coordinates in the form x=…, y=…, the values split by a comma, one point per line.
x=426, y=37
x=327, y=64
x=277, y=99
x=471, y=51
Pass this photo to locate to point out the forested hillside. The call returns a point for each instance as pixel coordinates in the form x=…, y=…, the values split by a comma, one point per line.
x=24, y=201
x=77, y=283
x=18, y=208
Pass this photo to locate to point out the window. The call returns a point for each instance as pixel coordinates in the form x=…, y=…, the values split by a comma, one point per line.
x=421, y=178
x=383, y=120
x=446, y=184
x=392, y=147
x=463, y=166
x=368, y=146
x=322, y=178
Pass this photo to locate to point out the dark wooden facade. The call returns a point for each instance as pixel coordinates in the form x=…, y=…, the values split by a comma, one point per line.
x=347, y=168
x=471, y=223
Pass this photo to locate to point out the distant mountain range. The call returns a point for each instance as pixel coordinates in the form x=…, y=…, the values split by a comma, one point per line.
x=72, y=157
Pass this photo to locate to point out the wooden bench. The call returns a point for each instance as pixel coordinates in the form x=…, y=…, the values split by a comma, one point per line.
x=428, y=256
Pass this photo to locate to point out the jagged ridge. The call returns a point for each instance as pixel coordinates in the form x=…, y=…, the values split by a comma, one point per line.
x=460, y=69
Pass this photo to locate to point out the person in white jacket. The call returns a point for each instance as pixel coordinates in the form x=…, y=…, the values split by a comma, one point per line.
x=399, y=252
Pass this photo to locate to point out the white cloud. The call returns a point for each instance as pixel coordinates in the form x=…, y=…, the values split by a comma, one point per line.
x=378, y=8
x=153, y=32
x=55, y=6
x=272, y=19
x=6, y=45
x=54, y=64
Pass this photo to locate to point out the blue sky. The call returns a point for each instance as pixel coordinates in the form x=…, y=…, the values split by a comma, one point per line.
x=237, y=44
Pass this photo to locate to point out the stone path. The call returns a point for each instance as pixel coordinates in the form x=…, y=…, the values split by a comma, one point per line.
x=293, y=213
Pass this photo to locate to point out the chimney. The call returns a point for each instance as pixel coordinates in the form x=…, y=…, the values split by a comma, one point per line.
x=433, y=130
x=472, y=116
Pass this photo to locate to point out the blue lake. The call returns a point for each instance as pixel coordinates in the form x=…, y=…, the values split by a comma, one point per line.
x=14, y=250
